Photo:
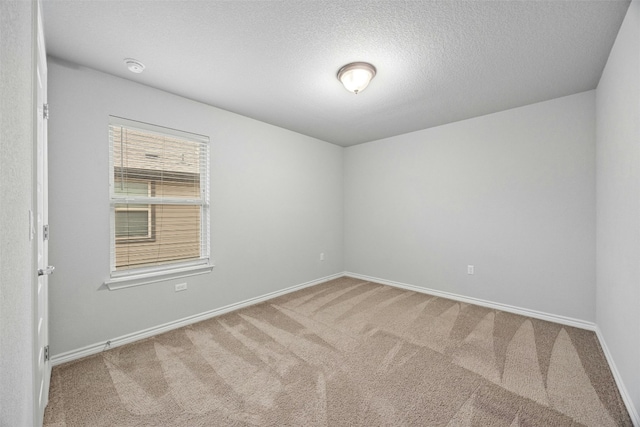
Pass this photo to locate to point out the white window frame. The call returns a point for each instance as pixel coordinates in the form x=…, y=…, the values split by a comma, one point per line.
x=146, y=275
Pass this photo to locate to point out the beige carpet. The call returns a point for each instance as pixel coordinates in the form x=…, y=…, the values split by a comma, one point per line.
x=346, y=353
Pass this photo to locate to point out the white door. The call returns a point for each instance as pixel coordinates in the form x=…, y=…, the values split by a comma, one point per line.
x=41, y=322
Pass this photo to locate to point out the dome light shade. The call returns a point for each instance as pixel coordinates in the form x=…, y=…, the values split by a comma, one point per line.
x=356, y=76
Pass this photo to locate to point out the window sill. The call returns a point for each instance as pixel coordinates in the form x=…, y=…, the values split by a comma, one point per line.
x=147, y=278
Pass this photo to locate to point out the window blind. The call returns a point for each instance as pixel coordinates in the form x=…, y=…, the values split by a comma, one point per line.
x=159, y=197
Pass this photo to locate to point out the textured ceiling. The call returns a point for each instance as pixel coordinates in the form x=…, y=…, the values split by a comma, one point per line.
x=276, y=61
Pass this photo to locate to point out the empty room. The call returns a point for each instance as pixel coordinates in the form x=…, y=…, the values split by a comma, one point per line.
x=319, y=213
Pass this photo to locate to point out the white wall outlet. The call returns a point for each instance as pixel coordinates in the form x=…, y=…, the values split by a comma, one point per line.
x=321, y=256
x=470, y=269
x=181, y=287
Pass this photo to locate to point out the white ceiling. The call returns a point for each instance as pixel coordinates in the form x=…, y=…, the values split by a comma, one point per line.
x=276, y=61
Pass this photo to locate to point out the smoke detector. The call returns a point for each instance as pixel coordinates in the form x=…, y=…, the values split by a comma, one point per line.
x=134, y=65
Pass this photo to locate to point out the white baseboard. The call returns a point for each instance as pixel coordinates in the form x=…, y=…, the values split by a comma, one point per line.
x=633, y=412
x=563, y=320
x=89, y=350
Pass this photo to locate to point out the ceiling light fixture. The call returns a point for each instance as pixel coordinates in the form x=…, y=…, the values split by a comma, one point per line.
x=134, y=65
x=356, y=76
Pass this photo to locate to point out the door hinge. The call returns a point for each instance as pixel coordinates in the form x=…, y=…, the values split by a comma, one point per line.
x=45, y=232
x=45, y=111
x=46, y=353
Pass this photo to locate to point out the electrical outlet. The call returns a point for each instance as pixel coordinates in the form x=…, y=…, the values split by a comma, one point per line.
x=181, y=287
x=470, y=269
x=321, y=256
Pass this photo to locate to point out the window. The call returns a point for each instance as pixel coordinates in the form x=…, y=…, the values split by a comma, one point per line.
x=134, y=222
x=159, y=199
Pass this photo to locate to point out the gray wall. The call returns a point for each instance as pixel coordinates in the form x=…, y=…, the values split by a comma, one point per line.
x=16, y=196
x=512, y=193
x=618, y=203
x=276, y=204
